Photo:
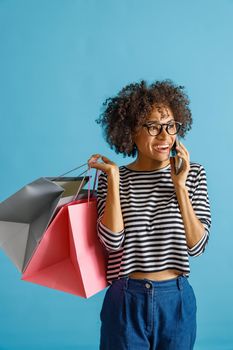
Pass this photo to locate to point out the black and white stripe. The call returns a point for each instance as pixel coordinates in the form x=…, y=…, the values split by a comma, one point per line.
x=153, y=238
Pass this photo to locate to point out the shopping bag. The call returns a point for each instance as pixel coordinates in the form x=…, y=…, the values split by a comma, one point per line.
x=70, y=257
x=25, y=215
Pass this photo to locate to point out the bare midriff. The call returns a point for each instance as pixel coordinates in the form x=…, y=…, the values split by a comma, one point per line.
x=156, y=276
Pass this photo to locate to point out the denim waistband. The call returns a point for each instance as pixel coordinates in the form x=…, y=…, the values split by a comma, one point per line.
x=148, y=285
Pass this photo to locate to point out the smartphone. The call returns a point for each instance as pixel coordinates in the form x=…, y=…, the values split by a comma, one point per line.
x=177, y=161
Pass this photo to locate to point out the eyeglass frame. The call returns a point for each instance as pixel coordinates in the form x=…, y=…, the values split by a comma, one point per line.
x=148, y=125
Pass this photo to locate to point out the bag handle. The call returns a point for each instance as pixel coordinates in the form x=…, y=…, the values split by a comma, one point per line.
x=93, y=190
x=55, y=178
x=80, y=186
x=89, y=190
x=74, y=170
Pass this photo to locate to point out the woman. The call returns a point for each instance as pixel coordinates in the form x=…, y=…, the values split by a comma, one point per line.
x=150, y=219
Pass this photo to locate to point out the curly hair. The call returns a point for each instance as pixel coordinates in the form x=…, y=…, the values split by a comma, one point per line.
x=125, y=113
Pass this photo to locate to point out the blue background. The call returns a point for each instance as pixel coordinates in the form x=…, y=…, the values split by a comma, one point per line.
x=59, y=60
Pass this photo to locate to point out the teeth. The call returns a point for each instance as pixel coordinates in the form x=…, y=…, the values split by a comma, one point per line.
x=164, y=146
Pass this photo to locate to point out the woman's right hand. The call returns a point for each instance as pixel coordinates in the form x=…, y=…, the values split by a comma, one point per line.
x=107, y=166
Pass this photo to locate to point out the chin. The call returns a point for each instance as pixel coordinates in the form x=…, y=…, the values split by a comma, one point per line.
x=162, y=158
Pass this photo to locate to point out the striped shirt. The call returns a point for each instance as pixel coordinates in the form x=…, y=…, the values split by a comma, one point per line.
x=153, y=238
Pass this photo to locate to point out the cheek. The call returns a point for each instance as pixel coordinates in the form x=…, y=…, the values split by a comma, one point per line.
x=173, y=140
x=141, y=141
x=145, y=146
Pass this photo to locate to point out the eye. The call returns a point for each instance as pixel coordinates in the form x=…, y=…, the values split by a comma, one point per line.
x=172, y=125
x=154, y=127
x=172, y=128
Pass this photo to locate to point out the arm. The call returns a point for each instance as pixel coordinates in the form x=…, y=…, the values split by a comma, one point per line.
x=112, y=217
x=196, y=214
x=110, y=226
x=195, y=211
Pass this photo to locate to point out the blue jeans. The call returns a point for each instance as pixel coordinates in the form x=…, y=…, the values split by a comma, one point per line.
x=140, y=314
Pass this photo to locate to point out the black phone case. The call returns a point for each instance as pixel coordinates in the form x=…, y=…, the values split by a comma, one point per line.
x=177, y=161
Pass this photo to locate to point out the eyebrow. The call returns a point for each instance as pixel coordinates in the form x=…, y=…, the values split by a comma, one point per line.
x=157, y=122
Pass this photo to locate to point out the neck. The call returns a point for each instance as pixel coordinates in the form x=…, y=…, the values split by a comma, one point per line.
x=149, y=165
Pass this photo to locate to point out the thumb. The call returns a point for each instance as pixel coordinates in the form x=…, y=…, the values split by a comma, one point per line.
x=96, y=165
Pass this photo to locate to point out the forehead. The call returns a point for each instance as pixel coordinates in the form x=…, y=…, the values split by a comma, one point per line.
x=160, y=113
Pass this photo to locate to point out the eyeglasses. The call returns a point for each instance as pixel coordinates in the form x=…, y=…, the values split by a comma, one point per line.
x=155, y=129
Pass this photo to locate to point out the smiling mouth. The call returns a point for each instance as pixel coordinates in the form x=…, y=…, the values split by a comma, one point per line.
x=162, y=149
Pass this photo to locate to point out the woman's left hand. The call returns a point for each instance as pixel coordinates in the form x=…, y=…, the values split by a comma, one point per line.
x=180, y=179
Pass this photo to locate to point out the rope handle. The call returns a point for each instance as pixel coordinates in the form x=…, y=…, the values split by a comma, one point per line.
x=89, y=190
x=80, y=186
x=74, y=170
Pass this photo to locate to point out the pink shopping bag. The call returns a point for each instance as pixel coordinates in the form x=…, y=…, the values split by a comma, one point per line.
x=70, y=256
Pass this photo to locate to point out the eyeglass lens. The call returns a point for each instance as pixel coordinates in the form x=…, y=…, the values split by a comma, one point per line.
x=172, y=128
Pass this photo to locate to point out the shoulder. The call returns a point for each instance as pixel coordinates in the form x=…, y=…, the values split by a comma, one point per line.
x=122, y=168
x=103, y=177
x=196, y=167
x=197, y=172
x=199, y=168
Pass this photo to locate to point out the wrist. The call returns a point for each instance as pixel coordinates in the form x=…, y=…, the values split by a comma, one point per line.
x=181, y=188
x=113, y=175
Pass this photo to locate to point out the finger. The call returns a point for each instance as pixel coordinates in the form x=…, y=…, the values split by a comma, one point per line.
x=182, y=146
x=182, y=152
x=185, y=164
x=107, y=160
x=98, y=166
x=182, y=155
x=93, y=158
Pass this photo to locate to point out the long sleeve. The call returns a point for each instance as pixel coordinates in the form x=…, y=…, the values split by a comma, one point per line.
x=201, y=206
x=112, y=241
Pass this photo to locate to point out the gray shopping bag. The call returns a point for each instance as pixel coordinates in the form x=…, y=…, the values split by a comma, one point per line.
x=25, y=215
